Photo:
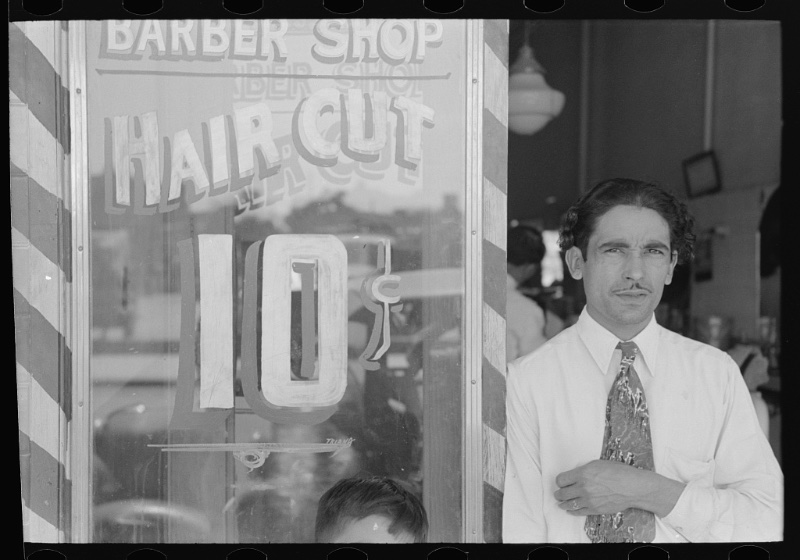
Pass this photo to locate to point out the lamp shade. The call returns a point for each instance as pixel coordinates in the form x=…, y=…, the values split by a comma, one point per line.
x=531, y=102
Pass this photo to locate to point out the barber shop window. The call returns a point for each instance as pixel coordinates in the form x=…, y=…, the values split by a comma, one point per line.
x=277, y=257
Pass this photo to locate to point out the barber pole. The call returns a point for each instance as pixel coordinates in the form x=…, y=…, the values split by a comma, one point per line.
x=41, y=223
x=495, y=180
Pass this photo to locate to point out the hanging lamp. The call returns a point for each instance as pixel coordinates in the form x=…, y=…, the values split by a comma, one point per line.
x=531, y=102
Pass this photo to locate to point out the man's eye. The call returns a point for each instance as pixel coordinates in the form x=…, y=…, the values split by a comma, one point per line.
x=656, y=252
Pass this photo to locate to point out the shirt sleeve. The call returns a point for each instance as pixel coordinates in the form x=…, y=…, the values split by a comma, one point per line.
x=523, y=518
x=737, y=497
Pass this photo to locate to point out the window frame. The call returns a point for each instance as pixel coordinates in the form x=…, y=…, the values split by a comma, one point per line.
x=482, y=215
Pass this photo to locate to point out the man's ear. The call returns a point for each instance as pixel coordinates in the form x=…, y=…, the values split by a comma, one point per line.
x=673, y=260
x=574, y=260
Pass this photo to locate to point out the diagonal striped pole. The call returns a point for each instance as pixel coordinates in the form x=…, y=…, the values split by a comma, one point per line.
x=495, y=179
x=41, y=249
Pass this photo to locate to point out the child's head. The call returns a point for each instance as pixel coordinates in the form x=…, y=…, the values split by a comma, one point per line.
x=370, y=510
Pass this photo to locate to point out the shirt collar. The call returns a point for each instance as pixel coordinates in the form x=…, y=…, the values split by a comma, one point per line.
x=601, y=342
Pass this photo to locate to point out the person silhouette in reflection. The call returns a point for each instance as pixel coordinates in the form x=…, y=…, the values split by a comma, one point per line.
x=528, y=324
x=370, y=510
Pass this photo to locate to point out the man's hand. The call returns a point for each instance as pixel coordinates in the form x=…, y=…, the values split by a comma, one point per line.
x=610, y=486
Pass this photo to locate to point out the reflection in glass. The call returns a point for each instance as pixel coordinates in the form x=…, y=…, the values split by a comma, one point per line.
x=163, y=473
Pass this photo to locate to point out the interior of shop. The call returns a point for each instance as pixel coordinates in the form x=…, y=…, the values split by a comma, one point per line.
x=660, y=100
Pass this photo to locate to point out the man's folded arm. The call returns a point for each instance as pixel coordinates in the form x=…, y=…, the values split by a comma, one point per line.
x=741, y=497
x=704, y=513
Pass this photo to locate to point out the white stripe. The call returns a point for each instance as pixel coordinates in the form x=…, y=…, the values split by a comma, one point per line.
x=45, y=152
x=18, y=131
x=494, y=214
x=494, y=458
x=37, y=278
x=495, y=85
x=37, y=530
x=43, y=34
x=34, y=150
x=43, y=421
x=494, y=338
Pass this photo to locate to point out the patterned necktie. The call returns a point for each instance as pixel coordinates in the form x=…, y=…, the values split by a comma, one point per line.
x=626, y=439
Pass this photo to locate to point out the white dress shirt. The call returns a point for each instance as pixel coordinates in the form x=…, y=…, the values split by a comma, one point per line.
x=703, y=426
x=525, y=322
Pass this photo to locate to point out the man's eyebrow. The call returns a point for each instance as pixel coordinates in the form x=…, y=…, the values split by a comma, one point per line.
x=656, y=245
x=622, y=243
x=614, y=243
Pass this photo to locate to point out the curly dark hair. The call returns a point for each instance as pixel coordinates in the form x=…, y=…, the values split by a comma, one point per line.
x=579, y=222
x=359, y=497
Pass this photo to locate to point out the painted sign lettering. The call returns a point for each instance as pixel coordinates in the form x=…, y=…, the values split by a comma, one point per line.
x=379, y=294
x=204, y=39
x=322, y=377
x=273, y=387
x=359, y=40
x=232, y=144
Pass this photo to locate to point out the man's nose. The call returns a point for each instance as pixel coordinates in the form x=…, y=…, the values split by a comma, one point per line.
x=634, y=266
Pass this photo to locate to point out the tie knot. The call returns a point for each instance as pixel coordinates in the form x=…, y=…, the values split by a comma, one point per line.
x=629, y=349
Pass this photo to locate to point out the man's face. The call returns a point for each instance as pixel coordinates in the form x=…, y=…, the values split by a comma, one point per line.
x=628, y=262
x=371, y=529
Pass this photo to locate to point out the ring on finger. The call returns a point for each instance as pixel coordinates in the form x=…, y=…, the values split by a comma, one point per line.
x=575, y=504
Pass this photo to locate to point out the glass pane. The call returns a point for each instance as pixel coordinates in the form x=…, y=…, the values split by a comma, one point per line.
x=277, y=271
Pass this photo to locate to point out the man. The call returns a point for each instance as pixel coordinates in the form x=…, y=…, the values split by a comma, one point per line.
x=618, y=429
x=370, y=510
x=527, y=325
